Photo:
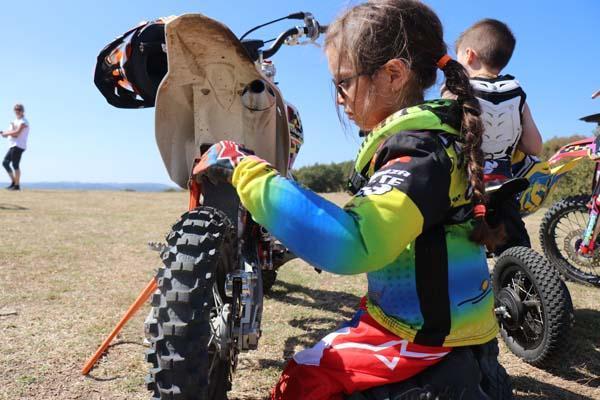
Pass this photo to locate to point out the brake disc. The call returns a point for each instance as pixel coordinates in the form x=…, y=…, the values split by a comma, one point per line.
x=571, y=245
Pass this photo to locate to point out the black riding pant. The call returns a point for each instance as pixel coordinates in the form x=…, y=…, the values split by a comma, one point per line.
x=13, y=156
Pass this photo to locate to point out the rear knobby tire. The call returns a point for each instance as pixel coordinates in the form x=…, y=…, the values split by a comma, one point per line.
x=541, y=280
x=569, y=217
x=198, y=256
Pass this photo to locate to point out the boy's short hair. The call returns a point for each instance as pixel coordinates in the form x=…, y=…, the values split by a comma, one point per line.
x=19, y=107
x=492, y=40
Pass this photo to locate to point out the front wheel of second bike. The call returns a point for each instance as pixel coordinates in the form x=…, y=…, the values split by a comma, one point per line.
x=561, y=235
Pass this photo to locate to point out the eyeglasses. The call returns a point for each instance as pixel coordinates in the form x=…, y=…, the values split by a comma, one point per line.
x=343, y=85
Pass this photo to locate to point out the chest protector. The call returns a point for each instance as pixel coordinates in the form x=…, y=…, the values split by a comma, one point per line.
x=502, y=100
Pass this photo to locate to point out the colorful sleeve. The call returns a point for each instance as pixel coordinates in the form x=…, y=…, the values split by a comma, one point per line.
x=408, y=193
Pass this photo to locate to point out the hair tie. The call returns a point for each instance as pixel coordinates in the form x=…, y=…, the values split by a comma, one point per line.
x=479, y=211
x=441, y=63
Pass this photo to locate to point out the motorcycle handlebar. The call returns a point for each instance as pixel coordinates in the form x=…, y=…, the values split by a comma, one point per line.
x=280, y=41
x=305, y=30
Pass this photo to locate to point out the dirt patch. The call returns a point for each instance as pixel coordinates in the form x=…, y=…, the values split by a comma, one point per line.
x=72, y=262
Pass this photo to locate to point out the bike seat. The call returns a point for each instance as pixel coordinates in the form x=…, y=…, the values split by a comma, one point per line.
x=591, y=118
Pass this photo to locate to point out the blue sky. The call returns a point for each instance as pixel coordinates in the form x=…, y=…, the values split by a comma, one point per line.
x=49, y=50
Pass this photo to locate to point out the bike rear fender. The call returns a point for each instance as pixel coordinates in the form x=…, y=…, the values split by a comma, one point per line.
x=200, y=99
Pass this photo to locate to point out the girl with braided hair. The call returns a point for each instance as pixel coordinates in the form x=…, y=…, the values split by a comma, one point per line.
x=416, y=223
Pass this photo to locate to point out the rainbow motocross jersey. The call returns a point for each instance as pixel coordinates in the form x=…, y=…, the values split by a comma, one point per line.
x=407, y=227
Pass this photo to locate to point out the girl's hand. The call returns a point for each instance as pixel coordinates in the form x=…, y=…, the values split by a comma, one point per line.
x=220, y=160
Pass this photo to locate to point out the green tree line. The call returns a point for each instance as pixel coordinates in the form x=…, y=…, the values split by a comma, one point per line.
x=325, y=178
x=333, y=177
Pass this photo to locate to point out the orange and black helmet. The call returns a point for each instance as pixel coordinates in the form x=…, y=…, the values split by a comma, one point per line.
x=129, y=69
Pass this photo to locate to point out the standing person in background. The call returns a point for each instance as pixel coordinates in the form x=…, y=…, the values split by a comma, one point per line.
x=18, y=143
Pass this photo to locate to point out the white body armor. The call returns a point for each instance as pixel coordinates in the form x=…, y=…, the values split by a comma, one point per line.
x=502, y=101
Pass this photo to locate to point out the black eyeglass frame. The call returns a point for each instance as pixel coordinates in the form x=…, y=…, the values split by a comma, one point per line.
x=338, y=84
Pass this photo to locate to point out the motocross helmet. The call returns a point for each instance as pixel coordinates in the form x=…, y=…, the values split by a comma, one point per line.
x=129, y=69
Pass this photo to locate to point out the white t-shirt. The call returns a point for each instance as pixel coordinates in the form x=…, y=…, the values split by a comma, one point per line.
x=21, y=140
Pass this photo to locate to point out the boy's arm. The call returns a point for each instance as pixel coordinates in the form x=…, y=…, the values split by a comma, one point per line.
x=531, y=139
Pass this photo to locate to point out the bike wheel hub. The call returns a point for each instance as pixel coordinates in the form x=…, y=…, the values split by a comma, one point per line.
x=509, y=299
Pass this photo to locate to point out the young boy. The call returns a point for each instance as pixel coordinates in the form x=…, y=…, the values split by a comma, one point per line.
x=484, y=50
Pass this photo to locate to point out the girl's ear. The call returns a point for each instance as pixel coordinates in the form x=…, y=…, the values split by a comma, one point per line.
x=396, y=73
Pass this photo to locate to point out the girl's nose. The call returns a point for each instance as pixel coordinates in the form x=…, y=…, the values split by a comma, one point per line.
x=339, y=98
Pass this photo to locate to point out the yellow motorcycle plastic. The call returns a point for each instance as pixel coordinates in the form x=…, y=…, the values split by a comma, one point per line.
x=543, y=175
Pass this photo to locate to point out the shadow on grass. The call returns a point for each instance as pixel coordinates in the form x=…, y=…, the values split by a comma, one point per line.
x=580, y=360
x=103, y=379
x=93, y=377
x=530, y=388
x=12, y=207
x=326, y=300
x=314, y=328
x=122, y=342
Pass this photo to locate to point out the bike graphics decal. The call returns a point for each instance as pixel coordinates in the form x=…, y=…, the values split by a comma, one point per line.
x=582, y=148
x=542, y=179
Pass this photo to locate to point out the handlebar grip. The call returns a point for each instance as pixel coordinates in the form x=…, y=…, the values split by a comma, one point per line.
x=323, y=28
x=279, y=42
x=298, y=15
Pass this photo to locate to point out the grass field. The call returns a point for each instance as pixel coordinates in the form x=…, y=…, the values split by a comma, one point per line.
x=72, y=262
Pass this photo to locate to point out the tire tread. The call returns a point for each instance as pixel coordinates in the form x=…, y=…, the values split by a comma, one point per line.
x=182, y=304
x=556, y=303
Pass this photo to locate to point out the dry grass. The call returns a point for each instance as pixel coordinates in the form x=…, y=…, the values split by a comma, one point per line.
x=72, y=262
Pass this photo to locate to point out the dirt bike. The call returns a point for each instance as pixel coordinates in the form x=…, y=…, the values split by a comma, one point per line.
x=207, y=85
x=570, y=228
x=218, y=262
